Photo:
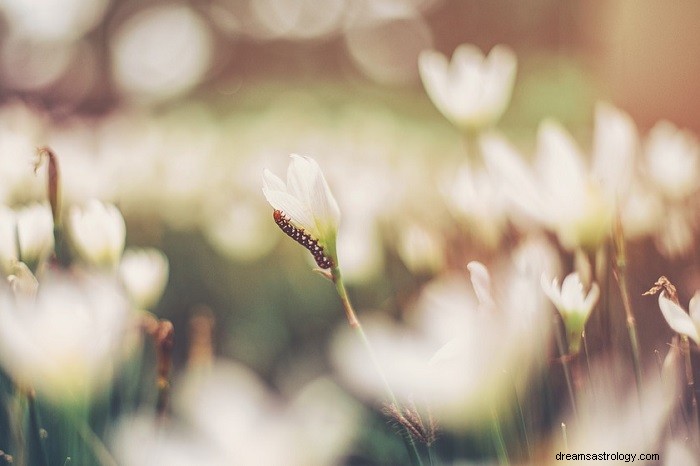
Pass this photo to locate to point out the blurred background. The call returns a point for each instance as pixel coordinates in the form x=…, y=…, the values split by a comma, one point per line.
x=171, y=110
x=202, y=95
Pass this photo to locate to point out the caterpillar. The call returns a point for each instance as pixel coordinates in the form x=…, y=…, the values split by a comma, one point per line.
x=303, y=238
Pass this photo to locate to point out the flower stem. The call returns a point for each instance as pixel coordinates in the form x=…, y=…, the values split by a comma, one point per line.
x=690, y=384
x=565, y=367
x=620, y=272
x=498, y=441
x=102, y=455
x=523, y=426
x=36, y=429
x=355, y=325
x=565, y=437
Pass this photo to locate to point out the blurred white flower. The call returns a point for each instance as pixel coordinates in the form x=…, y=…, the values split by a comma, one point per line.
x=60, y=21
x=232, y=418
x=35, y=233
x=22, y=281
x=559, y=192
x=673, y=160
x=64, y=341
x=684, y=323
x=421, y=249
x=573, y=303
x=144, y=274
x=240, y=229
x=477, y=199
x=615, y=147
x=306, y=202
x=98, y=233
x=675, y=233
x=614, y=417
x=8, y=239
x=161, y=51
x=439, y=357
x=472, y=91
x=360, y=250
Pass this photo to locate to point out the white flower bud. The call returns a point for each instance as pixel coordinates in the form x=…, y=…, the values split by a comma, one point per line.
x=144, y=274
x=35, y=234
x=98, y=233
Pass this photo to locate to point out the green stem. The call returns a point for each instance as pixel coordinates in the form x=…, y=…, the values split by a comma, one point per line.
x=565, y=367
x=357, y=328
x=99, y=450
x=690, y=384
x=521, y=418
x=36, y=429
x=565, y=437
x=498, y=441
x=16, y=411
x=621, y=277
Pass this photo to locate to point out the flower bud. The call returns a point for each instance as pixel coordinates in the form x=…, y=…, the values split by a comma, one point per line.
x=98, y=233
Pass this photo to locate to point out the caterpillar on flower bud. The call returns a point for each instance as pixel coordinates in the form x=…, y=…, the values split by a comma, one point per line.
x=303, y=238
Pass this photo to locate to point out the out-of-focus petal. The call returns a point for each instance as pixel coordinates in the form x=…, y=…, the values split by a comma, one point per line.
x=677, y=319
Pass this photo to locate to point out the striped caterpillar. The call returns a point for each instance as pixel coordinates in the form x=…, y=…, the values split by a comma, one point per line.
x=303, y=238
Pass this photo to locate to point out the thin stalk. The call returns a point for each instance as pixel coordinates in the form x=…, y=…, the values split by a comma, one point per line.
x=36, y=429
x=99, y=450
x=586, y=353
x=498, y=441
x=620, y=271
x=521, y=418
x=565, y=367
x=690, y=383
x=431, y=456
x=588, y=360
x=565, y=436
x=603, y=279
x=16, y=411
x=659, y=365
x=355, y=325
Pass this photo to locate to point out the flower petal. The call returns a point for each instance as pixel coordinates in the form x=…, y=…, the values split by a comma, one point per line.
x=592, y=297
x=614, y=148
x=272, y=182
x=481, y=281
x=292, y=208
x=552, y=290
x=677, y=319
x=560, y=162
x=505, y=164
x=694, y=307
x=433, y=69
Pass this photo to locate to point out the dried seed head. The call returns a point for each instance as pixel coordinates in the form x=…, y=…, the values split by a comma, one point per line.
x=663, y=284
x=410, y=419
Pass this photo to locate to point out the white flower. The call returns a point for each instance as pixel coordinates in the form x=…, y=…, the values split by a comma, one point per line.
x=64, y=341
x=673, y=159
x=438, y=357
x=232, y=418
x=609, y=416
x=573, y=303
x=615, y=147
x=477, y=199
x=144, y=274
x=560, y=192
x=306, y=202
x=421, y=249
x=684, y=323
x=35, y=233
x=8, y=239
x=472, y=91
x=98, y=233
